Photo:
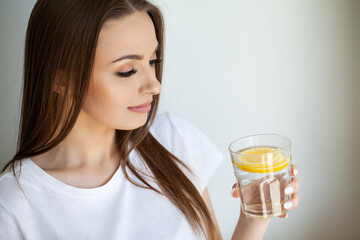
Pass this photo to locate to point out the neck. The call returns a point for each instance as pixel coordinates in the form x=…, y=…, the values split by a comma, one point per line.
x=89, y=145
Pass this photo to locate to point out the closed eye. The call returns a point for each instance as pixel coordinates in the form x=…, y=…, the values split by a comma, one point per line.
x=155, y=61
x=133, y=71
x=126, y=74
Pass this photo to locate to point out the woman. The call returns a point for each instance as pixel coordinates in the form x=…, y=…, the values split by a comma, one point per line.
x=94, y=160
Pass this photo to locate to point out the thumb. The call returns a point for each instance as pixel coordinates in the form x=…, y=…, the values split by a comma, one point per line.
x=235, y=191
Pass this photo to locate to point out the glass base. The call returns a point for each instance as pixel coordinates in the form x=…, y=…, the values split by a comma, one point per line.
x=264, y=210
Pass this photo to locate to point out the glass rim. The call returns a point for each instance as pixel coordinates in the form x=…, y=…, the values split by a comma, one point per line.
x=260, y=134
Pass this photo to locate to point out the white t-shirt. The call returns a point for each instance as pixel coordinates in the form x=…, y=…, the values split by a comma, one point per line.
x=45, y=208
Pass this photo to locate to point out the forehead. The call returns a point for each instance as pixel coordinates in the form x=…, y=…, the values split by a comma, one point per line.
x=134, y=33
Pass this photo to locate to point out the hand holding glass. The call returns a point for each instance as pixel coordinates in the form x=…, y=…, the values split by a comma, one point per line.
x=262, y=166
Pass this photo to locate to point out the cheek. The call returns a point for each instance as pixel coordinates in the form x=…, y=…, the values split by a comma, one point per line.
x=107, y=101
x=111, y=92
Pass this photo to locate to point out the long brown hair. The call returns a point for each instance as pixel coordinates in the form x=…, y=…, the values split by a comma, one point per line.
x=62, y=35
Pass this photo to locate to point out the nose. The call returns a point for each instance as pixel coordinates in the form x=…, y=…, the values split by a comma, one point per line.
x=150, y=84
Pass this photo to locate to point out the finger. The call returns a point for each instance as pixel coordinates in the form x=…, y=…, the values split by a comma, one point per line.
x=293, y=203
x=293, y=186
x=294, y=170
x=283, y=216
x=235, y=191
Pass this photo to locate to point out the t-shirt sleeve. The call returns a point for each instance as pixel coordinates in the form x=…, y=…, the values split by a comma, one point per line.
x=8, y=227
x=191, y=146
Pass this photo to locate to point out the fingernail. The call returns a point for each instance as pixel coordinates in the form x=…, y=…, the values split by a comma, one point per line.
x=289, y=190
x=295, y=172
x=232, y=192
x=288, y=205
x=286, y=216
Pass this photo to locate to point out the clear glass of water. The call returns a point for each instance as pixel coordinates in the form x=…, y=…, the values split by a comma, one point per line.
x=262, y=167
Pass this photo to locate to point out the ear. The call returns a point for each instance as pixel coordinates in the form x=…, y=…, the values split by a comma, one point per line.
x=59, y=83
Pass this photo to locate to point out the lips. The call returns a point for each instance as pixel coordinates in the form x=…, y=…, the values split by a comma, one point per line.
x=143, y=108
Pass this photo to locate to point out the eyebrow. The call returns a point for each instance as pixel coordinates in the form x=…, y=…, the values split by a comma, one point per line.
x=133, y=56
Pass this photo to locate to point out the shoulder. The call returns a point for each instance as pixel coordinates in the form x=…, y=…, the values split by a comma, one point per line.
x=188, y=143
x=173, y=127
x=8, y=180
x=11, y=192
x=170, y=130
x=165, y=122
x=7, y=187
x=174, y=131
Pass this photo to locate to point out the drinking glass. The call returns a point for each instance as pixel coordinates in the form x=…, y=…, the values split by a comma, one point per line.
x=262, y=167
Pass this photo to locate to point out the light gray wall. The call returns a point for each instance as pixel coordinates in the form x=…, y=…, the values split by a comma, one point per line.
x=244, y=67
x=14, y=16
x=238, y=67
x=357, y=109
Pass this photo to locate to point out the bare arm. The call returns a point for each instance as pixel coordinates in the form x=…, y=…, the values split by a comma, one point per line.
x=207, y=200
x=246, y=228
x=250, y=228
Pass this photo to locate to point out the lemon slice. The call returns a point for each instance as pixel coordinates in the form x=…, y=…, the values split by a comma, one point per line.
x=261, y=160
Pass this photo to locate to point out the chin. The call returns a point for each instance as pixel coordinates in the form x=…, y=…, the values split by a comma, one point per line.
x=134, y=123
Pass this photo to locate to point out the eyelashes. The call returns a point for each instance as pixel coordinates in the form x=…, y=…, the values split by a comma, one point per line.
x=126, y=74
x=133, y=71
x=155, y=61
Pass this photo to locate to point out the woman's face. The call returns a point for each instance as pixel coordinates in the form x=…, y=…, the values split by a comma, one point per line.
x=123, y=75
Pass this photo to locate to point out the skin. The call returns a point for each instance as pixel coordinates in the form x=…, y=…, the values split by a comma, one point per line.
x=87, y=157
x=255, y=228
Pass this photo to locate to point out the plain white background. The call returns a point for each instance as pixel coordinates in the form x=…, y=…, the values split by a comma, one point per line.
x=235, y=68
